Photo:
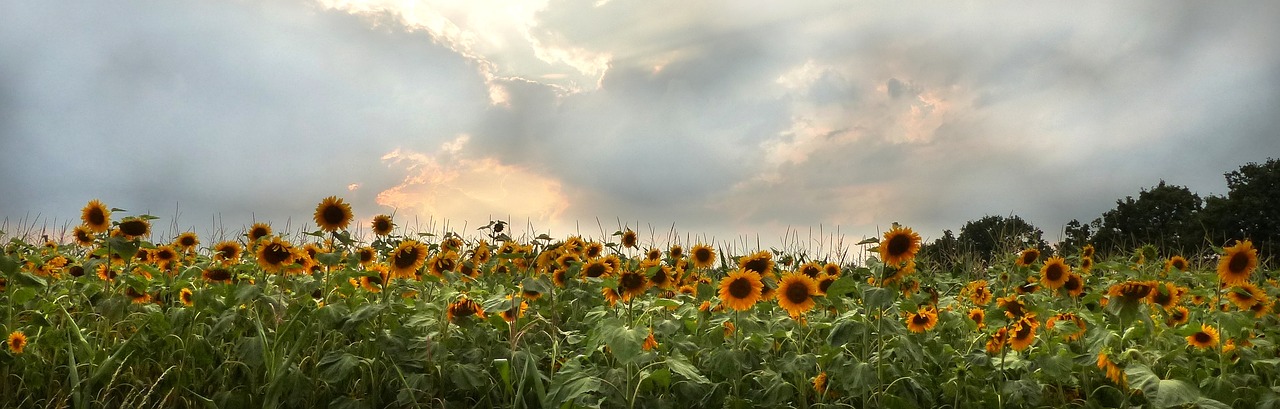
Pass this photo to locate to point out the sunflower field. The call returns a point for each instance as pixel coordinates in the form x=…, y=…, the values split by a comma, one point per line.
x=114, y=317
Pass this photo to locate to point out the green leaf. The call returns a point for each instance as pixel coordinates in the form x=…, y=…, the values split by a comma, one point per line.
x=329, y=259
x=122, y=247
x=1141, y=377
x=27, y=279
x=687, y=370
x=569, y=384
x=846, y=332
x=623, y=342
x=1173, y=392
x=22, y=295
x=878, y=298
x=337, y=366
x=8, y=265
x=842, y=286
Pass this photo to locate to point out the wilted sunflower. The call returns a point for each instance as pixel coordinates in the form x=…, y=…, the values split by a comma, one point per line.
x=516, y=311
x=819, y=383
x=596, y=269
x=462, y=308
x=407, y=258
x=96, y=216
x=275, y=254
x=900, y=245
x=17, y=342
x=1074, y=319
x=978, y=316
x=703, y=256
x=186, y=241
x=1054, y=273
x=649, y=342
x=997, y=341
x=1028, y=257
x=629, y=239
x=217, y=274
x=1246, y=295
x=186, y=297
x=795, y=293
x=132, y=227
x=1113, y=372
x=1177, y=316
x=1024, y=332
x=632, y=283
x=1238, y=262
x=761, y=262
x=923, y=319
x=382, y=225
x=1206, y=337
x=83, y=235
x=332, y=214
x=1175, y=263
x=258, y=231
x=741, y=289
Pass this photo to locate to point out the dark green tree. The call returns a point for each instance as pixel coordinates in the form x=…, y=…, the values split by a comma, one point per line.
x=993, y=235
x=1250, y=210
x=1077, y=236
x=1165, y=216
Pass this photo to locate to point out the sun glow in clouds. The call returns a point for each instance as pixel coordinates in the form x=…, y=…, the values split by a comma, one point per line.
x=451, y=186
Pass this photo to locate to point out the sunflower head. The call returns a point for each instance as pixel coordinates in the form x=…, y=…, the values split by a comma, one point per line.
x=703, y=256
x=978, y=316
x=258, y=231
x=1028, y=257
x=923, y=319
x=96, y=216
x=186, y=297
x=382, y=225
x=594, y=249
x=132, y=227
x=1055, y=272
x=761, y=262
x=1024, y=332
x=1206, y=337
x=1176, y=263
x=796, y=292
x=275, y=254
x=1237, y=263
x=900, y=245
x=332, y=214
x=407, y=258
x=227, y=251
x=676, y=252
x=186, y=241
x=632, y=283
x=83, y=235
x=462, y=308
x=17, y=342
x=629, y=239
x=1177, y=315
x=741, y=289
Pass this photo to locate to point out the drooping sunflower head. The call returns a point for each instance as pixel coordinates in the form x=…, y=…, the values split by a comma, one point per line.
x=1246, y=295
x=1055, y=272
x=462, y=308
x=258, y=231
x=382, y=225
x=1086, y=264
x=761, y=262
x=217, y=274
x=900, y=245
x=132, y=227
x=1239, y=261
x=1028, y=257
x=1131, y=292
x=741, y=289
x=703, y=256
x=1206, y=337
x=997, y=341
x=96, y=216
x=275, y=254
x=332, y=214
x=629, y=239
x=17, y=342
x=796, y=292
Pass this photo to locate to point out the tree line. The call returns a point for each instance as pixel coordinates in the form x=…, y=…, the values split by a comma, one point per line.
x=1165, y=219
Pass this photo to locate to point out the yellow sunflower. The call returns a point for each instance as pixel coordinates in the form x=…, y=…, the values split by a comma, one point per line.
x=629, y=239
x=217, y=274
x=1055, y=272
x=258, y=231
x=186, y=297
x=661, y=277
x=1175, y=263
x=1131, y=292
x=997, y=341
x=1086, y=264
x=1087, y=251
x=923, y=319
x=516, y=311
x=407, y=258
x=741, y=289
x=1113, y=372
x=594, y=249
x=442, y=262
x=1246, y=295
x=596, y=269
x=462, y=308
x=187, y=241
x=275, y=254
x=795, y=293
x=1206, y=337
x=978, y=316
x=977, y=292
x=382, y=225
x=676, y=252
x=650, y=342
x=1165, y=295
x=1178, y=315
x=824, y=282
x=83, y=235
x=811, y=269
x=900, y=245
x=610, y=295
x=1028, y=257
x=17, y=342
x=227, y=252
x=132, y=227
x=96, y=216
x=366, y=255
x=1024, y=332
x=1074, y=285
x=703, y=255
x=1238, y=262
x=761, y=262
x=632, y=284
x=332, y=214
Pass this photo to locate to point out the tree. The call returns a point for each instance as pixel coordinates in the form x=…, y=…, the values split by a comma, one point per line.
x=990, y=235
x=1165, y=216
x=1250, y=210
x=1077, y=236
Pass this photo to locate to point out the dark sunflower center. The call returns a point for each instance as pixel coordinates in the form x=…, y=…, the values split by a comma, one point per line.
x=632, y=281
x=382, y=225
x=1054, y=272
x=920, y=319
x=1162, y=298
x=405, y=258
x=796, y=293
x=257, y=233
x=1179, y=264
x=659, y=277
x=595, y=270
x=1072, y=284
x=1024, y=332
x=594, y=251
x=165, y=255
x=1239, y=261
x=218, y=274
x=1178, y=315
x=1203, y=338
x=1029, y=257
x=811, y=271
x=756, y=264
x=445, y=264
x=187, y=241
x=97, y=217
x=702, y=255
x=133, y=227
x=226, y=252
x=898, y=245
x=334, y=215
x=825, y=284
x=275, y=253
x=740, y=288
x=366, y=256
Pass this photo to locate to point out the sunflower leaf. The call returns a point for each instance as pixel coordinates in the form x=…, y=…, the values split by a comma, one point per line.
x=842, y=286
x=682, y=367
x=8, y=265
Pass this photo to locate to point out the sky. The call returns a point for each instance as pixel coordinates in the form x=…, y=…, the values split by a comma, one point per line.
x=718, y=120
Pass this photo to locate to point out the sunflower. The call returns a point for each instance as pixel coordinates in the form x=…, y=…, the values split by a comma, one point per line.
x=1261, y=308
x=1024, y=332
x=407, y=258
x=1238, y=262
x=481, y=253
x=529, y=294
x=1246, y=295
x=811, y=269
x=136, y=296
x=1086, y=264
x=923, y=319
x=1055, y=272
x=703, y=256
x=17, y=341
x=824, y=282
x=676, y=252
x=1087, y=251
x=610, y=295
x=186, y=241
x=1027, y=257
x=96, y=216
x=376, y=282
x=186, y=297
x=1206, y=337
x=594, y=249
x=227, y=252
x=629, y=239
x=516, y=311
x=1131, y=292
x=164, y=255
x=649, y=342
x=1165, y=295
x=596, y=269
x=275, y=254
x=1074, y=319
x=442, y=262
x=332, y=214
x=761, y=262
x=217, y=274
x=661, y=277
x=978, y=316
x=997, y=341
x=462, y=308
x=1113, y=372
x=900, y=244
x=83, y=235
x=796, y=291
x=819, y=383
x=1074, y=285
x=258, y=231
x=977, y=292
x=574, y=244
x=741, y=289
x=1177, y=316
x=382, y=225
x=1012, y=305
x=366, y=255
x=132, y=227
x=653, y=254
x=1175, y=263
x=632, y=283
